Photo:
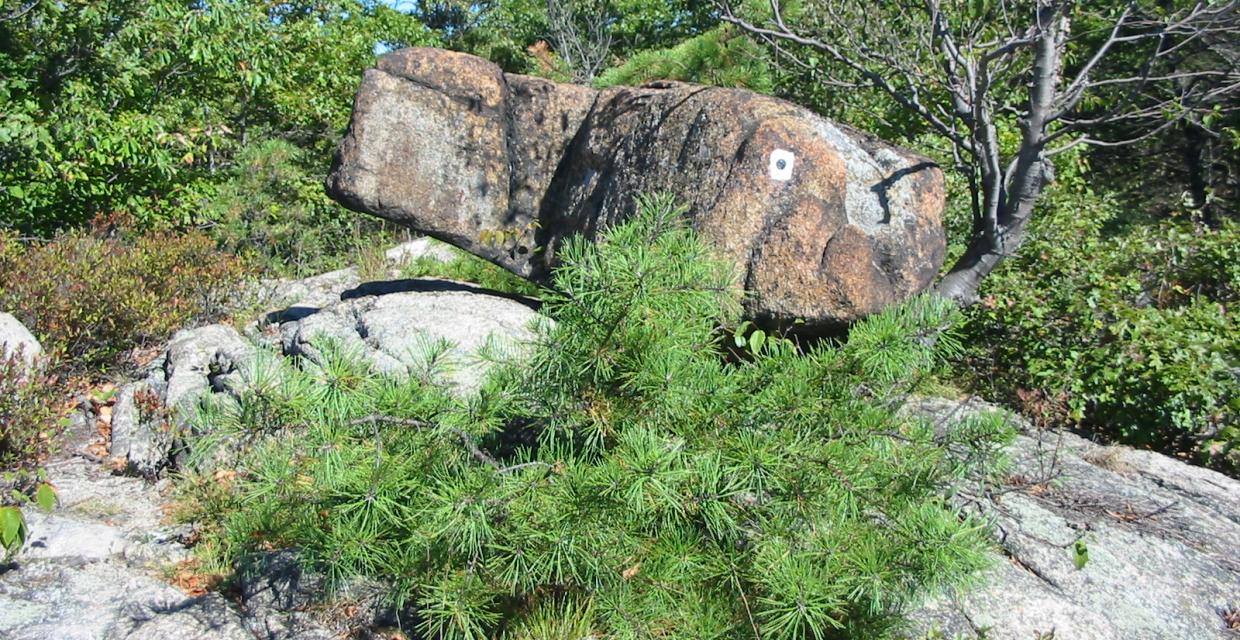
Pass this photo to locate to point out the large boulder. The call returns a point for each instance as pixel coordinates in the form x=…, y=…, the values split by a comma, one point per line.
x=825, y=223
x=394, y=325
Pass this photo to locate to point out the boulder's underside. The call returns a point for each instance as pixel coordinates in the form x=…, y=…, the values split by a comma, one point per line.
x=825, y=224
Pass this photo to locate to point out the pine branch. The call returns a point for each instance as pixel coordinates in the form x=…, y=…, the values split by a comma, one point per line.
x=380, y=418
x=466, y=439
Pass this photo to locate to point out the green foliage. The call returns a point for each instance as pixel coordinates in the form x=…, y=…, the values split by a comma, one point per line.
x=275, y=209
x=29, y=398
x=647, y=24
x=469, y=268
x=1124, y=327
x=91, y=296
x=507, y=32
x=140, y=106
x=45, y=497
x=721, y=57
x=1080, y=554
x=625, y=479
x=29, y=402
x=13, y=530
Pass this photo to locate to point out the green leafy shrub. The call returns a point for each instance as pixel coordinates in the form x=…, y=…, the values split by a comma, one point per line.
x=626, y=479
x=721, y=57
x=13, y=527
x=274, y=208
x=29, y=401
x=1124, y=328
x=140, y=105
x=92, y=296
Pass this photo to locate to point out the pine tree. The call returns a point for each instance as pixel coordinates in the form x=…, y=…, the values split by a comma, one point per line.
x=632, y=476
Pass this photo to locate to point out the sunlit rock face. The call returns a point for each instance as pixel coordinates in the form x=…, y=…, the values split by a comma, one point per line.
x=825, y=224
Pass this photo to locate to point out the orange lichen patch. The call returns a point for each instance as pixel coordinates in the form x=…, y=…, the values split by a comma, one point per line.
x=1028, y=485
x=1111, y=458
x=143, y=357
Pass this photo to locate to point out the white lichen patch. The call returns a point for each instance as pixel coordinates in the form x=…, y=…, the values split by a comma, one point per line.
x=872, y=199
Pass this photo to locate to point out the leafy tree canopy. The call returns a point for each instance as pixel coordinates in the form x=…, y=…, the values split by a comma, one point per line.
x=138, y=106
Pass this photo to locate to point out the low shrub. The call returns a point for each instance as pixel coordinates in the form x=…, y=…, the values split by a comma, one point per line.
x=91, y=296
x=30, y=410
x=626, y=478
x=273, y=208
x=721, y=57
x=30, y=402
x=1125, y=329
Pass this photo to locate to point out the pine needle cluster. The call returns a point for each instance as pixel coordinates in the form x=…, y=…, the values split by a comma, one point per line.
x=630, y=477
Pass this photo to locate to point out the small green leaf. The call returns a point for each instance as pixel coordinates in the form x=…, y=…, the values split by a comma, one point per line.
x=45, y=497
x=756, y=340
x=739, y=335
x=12, y=526
x=1080, y=554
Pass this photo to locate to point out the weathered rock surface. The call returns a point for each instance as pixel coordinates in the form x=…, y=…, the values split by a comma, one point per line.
x=1162, y=539
x=90, y=569
x=96, y=567
x=148, y=416
x=825, y=223
x=15, y=337
x=392, y=324
x=283, y=600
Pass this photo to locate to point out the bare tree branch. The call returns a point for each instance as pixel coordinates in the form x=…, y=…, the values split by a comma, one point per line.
x=581, y=38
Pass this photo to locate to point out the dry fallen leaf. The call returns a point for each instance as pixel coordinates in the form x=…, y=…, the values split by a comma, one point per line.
x=190, y=579
x=225, y=476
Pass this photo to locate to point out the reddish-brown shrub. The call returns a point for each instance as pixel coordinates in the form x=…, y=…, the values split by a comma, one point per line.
x=92, y=296
x=29, y=413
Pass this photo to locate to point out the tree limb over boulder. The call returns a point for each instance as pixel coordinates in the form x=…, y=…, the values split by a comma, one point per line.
x=825, y=223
